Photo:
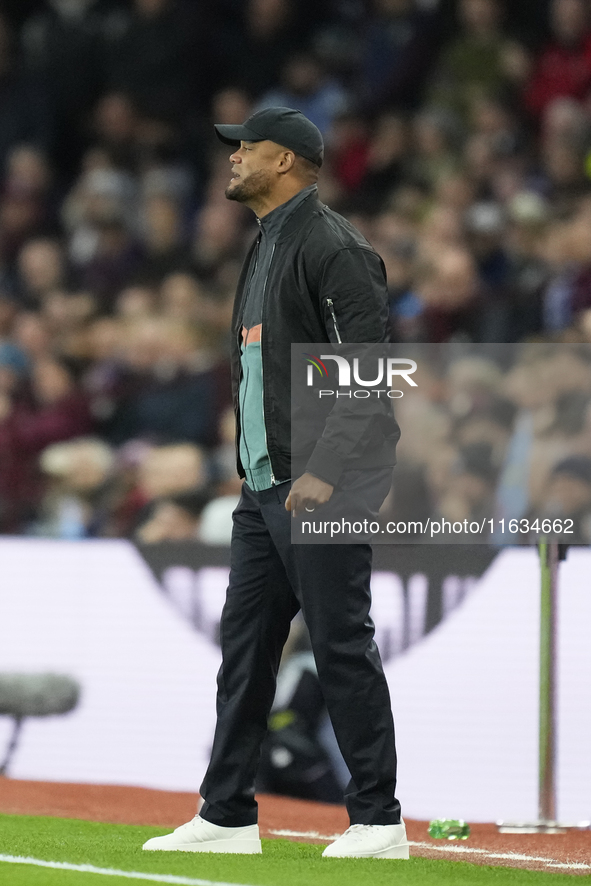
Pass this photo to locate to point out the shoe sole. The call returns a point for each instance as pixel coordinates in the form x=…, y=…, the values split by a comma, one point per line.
x=235, y=847
x=401, y=851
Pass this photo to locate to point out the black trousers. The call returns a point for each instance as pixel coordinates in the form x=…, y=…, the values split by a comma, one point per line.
x=271, y=579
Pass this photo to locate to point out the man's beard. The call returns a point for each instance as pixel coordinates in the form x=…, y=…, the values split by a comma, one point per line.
x=254, y=187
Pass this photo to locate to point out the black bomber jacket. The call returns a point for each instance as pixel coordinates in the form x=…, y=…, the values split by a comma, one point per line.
x=326, y=284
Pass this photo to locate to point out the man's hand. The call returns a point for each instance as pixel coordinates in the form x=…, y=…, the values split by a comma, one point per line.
x=307, y=493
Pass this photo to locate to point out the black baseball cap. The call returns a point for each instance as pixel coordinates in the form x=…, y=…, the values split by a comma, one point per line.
x=281, y=125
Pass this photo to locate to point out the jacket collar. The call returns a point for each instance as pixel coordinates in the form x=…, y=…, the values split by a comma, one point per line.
x=272, y=223
x=307, y=208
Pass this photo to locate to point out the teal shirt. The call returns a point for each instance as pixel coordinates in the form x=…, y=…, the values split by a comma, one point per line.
x=253, y=439
x=253, y=450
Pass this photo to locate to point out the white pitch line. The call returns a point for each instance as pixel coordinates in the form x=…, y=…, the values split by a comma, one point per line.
x=507, y=856
x=314, y=835
x=110, y=872
x=467, y=850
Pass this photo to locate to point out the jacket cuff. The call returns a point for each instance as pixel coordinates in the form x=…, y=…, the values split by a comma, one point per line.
x=325, y=464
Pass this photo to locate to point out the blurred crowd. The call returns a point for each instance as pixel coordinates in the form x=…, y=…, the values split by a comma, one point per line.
x=458, y=140
x=495, y=434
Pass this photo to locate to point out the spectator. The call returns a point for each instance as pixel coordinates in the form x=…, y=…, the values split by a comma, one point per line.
x=108, y=380
x=117, y=257
x=471, y=493
x=256, y=41
x=384, y=160
x=485, y=225
x=480, y=61
x=30, y=334
x=65, y=316
x=174, y=518
x=305, y=86
x=116, y=128
x=101, y=195
x=564, y=173
x=217, y=236
x=565, y=121
x=75, y=503
x=61, y=46
x=158, y=57
x=41, y=269
x=581, y=284
x=8, y=314
x=443, y=227
x=166, y=398
x=454, y=303
x=182, y=298
x=494, y=118
x=150, y=474
x=26, y=199
x=25, y=116
x=163, y=239
x=528, y=269
x=569, y=497
x=136, y=302
x=171, y=470
x=55, y=411
x=349, y=138
x=398, y=49
x=230, y=105
x=557, y=297
x=434, y=156
x=563, y=68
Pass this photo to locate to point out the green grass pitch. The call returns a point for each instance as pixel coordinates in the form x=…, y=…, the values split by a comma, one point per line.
x=283, y=863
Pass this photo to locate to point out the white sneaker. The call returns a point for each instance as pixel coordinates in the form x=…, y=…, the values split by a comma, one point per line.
x=199, y=835
x=370, y=841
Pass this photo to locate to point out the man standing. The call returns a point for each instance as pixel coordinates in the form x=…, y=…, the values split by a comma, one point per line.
x=309, y=277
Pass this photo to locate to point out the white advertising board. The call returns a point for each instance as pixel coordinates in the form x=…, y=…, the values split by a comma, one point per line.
x=465, y=696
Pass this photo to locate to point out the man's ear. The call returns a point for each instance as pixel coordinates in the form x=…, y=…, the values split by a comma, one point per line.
x=286, y=162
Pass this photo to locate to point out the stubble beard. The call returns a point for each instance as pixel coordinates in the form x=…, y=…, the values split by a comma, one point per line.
x=255, y=186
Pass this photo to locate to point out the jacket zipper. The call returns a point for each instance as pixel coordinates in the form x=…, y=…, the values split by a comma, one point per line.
x=262, y=368
x=330, y=304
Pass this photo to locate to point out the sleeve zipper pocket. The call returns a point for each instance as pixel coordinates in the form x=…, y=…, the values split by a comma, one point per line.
x=330, y=304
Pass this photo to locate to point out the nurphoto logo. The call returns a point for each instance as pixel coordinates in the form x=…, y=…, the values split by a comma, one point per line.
x=386, y=370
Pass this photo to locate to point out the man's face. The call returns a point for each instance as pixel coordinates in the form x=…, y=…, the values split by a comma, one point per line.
x=252, y=171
